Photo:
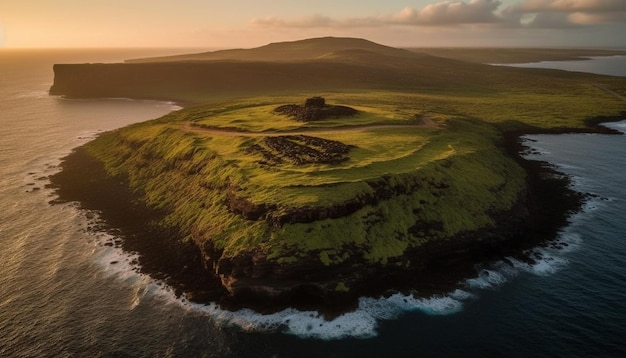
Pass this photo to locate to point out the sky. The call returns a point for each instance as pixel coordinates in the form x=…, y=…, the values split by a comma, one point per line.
x=250, y=23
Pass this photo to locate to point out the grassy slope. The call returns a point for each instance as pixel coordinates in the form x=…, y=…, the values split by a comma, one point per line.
x=439, y=182
x=284, y=51
x=324, y=65
x=190, y=174
x=461, y=171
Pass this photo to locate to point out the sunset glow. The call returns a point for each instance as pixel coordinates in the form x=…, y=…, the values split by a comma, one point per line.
x=245, y=23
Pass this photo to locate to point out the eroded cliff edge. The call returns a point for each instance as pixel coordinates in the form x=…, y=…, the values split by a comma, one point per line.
x=232, y=202
x=416, y=229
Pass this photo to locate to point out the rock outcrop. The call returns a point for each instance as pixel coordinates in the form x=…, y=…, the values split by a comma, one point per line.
x=300, y=150
x=315, y=109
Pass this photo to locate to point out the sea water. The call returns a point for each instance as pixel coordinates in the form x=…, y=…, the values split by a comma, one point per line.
x=603, y=65
x=67, y=290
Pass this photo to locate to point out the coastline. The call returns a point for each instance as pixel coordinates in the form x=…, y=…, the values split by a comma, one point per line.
x=549, y=204
x=532, y=216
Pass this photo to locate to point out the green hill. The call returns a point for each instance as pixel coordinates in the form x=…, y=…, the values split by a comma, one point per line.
x=422, y=173
x=287, y=51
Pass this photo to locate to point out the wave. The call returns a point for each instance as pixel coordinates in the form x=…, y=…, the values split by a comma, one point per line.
x=171, y=105
x=121, y=265
x=362, y=323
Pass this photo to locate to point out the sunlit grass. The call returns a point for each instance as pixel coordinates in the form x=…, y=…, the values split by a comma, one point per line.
x=442, y=179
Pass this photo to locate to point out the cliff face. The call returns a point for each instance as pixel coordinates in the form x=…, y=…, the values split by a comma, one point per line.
x=254, y=279
x=255, y=274
x=125, y=80
x=386, y=225
x=207, y=80
x=188, y=79
x=267, y=213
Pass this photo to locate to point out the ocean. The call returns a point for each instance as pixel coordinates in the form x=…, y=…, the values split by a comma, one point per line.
x=67, y=290
x=603, y=65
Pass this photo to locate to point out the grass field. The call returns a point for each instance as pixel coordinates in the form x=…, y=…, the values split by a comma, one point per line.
x=426, y=161
x=454, y=173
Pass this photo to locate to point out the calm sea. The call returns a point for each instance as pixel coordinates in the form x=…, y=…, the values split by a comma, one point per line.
x=66, y=291
x=606, y=65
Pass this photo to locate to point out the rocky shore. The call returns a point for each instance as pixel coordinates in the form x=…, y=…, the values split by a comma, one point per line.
x=227, y=203
x=535, y=220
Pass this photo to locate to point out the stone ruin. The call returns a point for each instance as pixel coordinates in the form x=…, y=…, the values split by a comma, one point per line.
x=315, y=109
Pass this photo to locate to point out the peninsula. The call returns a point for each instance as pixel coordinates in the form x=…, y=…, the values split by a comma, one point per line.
x=308, y=173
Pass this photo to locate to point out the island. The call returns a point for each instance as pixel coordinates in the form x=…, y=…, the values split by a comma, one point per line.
x=306, y=174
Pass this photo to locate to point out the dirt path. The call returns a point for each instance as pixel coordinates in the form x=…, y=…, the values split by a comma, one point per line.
x=611, y=92
x=189, y=127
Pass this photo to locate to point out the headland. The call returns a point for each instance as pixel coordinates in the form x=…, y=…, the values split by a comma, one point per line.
x=352, y=168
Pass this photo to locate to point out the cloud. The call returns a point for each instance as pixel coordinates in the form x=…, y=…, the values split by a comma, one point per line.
x=571, y=6
x=523, y=14
x=307, y=22
x=547, y=20
x=592, y=18
x=449, y=13
x=566, y=13
x=436, y=14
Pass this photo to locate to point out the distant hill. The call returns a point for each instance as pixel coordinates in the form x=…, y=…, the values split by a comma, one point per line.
x=308, y=49
x=317, y=65
x=287, y=213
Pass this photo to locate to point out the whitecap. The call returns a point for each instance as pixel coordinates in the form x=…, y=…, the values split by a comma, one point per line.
x=486, y=279
x=361, y=323
x=462, y=295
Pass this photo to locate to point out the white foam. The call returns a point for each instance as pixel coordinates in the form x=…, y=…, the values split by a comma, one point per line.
x=548, y=265
x=543, y=261
x=487, y=279
x=118, y=264
x=620, y=126
x=591, y=205
x=171, y=104
x=364, y=321
x=568, y=167
x=111, y=259
x=32, y=94
x=361, y=323
x=462, y=295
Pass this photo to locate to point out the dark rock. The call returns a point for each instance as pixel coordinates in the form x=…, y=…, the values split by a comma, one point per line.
x=300, y=150
x=315, y=109
x=315, y=102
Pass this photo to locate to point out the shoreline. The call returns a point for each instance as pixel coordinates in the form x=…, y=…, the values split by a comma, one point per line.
x=550, y=203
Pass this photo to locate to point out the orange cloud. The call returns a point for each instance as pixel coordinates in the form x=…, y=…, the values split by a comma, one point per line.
x=524, y=13
x=571, y=5
x=567, y=13
x=437, y=14
x=450, y=12
x=307, y=22
x=583, y=18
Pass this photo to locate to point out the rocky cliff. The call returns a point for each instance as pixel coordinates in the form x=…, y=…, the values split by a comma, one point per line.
x=269, y=211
